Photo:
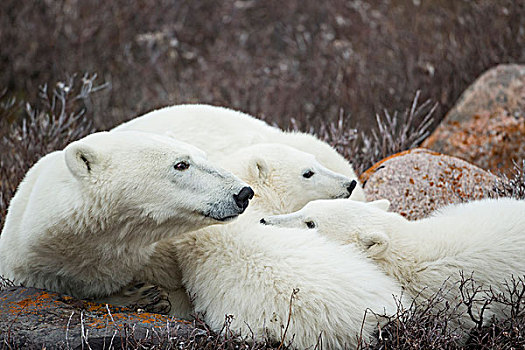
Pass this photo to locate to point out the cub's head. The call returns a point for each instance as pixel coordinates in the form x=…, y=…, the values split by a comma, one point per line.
x=139, y=177
x=345, y=221
x=285, y=179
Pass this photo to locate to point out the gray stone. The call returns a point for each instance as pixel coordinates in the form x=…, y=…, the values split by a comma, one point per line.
x=419, y=181
x=36, y=319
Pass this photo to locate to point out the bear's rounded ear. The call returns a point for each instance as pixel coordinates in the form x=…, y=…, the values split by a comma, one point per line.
x=382, y=204
x=80, y=159
x=259, y=168
x=374, y=243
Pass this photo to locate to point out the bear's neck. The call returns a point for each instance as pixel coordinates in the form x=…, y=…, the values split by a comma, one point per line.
x=96, y=257
x=413, y=245
x=266, y=201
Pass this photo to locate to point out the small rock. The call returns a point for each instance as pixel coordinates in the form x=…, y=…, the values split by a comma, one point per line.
x=36, y=319
x=487, y=125
x=419, y=181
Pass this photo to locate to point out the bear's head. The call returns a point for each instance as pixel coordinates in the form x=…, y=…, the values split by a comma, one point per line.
x=345, y=221
x=326, y=155
x=285, y=177
x=134, y=177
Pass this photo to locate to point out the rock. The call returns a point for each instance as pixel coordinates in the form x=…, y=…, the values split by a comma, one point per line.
x=418, y=181
x=36, y=319
x=487, y=125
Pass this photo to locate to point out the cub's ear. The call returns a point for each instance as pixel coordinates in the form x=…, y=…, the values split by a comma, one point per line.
x=382, y=204
x=259, y=168
x=81, y=159
x=374, y=243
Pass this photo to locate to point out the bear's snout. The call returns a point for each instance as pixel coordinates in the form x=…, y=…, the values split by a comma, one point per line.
x=351, y=186
x=243, y=197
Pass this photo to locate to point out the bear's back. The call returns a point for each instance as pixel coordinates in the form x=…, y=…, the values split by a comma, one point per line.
x=191, y=123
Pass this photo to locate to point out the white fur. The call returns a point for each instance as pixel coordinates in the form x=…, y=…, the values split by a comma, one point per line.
x=220, y=131
x=84, y=220
x=275, y=172
x=486, y=238
x=249, y=271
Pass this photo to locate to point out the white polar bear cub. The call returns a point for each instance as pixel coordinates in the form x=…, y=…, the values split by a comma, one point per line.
x=250, y=271
x=84, y=219
x=486, y=238
x=285, y=177
x=220, y=131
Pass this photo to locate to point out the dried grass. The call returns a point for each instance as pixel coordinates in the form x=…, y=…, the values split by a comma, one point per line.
x=58, y=118
x=514, y=186
x=304, y=59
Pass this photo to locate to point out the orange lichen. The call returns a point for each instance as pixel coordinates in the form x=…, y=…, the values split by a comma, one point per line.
x=438, y=180
x=491, y=140
x=94, y=315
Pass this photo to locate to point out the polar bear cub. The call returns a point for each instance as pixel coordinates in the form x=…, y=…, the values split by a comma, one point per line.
x=220, y=131
x=250, y=271
x=486, y=238
x=285, y=177
x=84, y=220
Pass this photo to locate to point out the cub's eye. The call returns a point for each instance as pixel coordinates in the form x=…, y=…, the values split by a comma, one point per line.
x=308, y=174
x=181, y=166
x=310, y=224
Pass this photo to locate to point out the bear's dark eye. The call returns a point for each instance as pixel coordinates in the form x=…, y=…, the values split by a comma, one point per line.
x=310, y=224
x=181, y=166
x=308, y=174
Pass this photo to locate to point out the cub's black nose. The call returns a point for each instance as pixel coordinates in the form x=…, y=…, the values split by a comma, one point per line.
x=242, y=198
x=262, y=221
x=351, y=187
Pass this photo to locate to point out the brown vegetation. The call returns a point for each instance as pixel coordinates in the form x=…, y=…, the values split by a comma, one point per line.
x=302, y=59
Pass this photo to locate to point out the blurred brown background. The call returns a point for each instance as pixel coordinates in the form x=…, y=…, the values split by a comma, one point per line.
x=301, y=59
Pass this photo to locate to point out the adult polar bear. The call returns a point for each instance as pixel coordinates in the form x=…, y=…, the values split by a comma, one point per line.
x=220, y=131
x=486, y=238
x=85, y=219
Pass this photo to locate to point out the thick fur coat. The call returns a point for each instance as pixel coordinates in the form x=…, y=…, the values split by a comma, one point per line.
x=250, y=271
x=484, y=238
x=221, y=131
x=84, y=220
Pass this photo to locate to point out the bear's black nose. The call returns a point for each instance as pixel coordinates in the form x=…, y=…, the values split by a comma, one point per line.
x=262, y=221
x=351, y=187
x=242, y=198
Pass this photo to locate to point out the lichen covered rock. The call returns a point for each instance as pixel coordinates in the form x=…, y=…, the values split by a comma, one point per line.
x=418, y=181
x=35, y=319
x=487, y=124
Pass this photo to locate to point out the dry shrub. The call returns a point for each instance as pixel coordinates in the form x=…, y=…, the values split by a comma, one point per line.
x=302, y=59
x=430, y=324
x=508, y=332
x=5, y=283
x=395, y=132
x=514, y=186
x=58, y=118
